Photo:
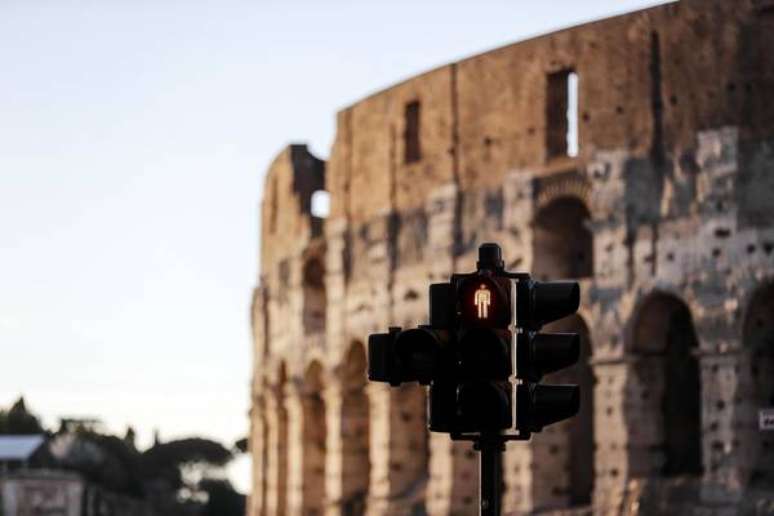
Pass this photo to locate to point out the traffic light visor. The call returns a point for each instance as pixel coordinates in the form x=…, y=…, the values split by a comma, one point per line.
x=553, y=300
x=540, y=353
x=541, y=405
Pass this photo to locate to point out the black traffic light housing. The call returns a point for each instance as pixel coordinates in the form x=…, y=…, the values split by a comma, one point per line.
x=466, y=352
x=537, y=354
x=483, y=345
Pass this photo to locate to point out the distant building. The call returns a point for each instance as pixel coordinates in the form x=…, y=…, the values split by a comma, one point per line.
x=29, y=486
x=17, y=451
x=42, y=492
x=634, y=154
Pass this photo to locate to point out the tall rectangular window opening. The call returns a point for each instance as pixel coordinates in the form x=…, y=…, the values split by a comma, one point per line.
x=572, y=114
x=411, y=134
x=562, y=114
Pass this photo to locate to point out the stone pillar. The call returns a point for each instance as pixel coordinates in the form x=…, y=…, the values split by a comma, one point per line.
x=314, y=449
x=334, y=468
x=379, y=456
x=611, y=459
x=257, y=445
x=277, y=418
x=464, y=487
x=399, y=449
x=440, y=208
x=725, y=448
x=517, y=476
x=549, y=466
x=441, y=467
x=518, y=212
x=728, y=413
x=295, y=452
x=335, y=283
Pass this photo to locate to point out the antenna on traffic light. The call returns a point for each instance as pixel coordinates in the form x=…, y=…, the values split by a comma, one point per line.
x=465, y=354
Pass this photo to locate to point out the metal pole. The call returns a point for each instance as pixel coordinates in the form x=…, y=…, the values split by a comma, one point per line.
x=490, y=476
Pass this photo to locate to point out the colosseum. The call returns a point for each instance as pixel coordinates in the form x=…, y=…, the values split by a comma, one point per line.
x=635, y=154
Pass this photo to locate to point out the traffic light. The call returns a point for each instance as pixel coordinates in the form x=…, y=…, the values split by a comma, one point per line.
x=418, y=354
x=483, y=343
x=465, y=353
x=537, y=354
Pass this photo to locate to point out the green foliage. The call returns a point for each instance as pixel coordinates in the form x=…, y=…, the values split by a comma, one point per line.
x=222, y=499
x=165, y=460
x=183, y=451
x=120, y=468
x=242, y=445
x=19, y=421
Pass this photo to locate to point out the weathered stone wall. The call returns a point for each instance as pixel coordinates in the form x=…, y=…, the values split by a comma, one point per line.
x=665, y=216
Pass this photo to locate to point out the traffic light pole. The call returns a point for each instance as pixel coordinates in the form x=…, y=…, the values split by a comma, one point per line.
x=491, y=448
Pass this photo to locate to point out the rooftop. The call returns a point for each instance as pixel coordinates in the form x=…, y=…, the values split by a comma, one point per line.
x=19, y=447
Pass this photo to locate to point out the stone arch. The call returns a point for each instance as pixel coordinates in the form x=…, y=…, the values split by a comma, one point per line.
x=566, y=450
x=757, y=385
x=665, y=389
x=562, y=243
x=355, y=442
x=314, y=300
x=314, y=438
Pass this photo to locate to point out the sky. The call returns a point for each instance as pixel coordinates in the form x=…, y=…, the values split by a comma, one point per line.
x=134, y=135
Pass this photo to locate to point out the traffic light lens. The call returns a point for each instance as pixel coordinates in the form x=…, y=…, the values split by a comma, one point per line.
x=484, y=406
x=482, y=299
x=417, y=350
x=485, y=354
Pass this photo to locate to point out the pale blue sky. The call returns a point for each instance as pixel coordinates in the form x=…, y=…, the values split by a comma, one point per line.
x=134, y=136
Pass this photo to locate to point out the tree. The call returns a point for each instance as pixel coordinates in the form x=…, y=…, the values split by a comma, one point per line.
x=165, y=460
x=222, y=498
x=19, y=421
x=192, y=471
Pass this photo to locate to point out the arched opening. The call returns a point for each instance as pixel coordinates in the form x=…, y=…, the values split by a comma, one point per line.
x=314, y=296
x=571, y=446
x=759, y=348
x=668, y=385
x=314, y=442
x=356, y=465
x=562, y=242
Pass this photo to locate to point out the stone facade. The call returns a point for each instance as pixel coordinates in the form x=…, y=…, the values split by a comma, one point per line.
x=665, y=214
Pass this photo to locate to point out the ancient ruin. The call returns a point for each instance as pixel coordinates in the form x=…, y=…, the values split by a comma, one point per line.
x=635, y=154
